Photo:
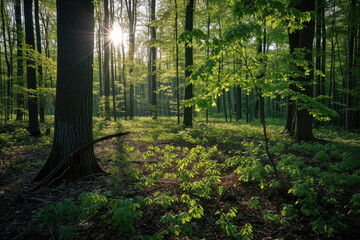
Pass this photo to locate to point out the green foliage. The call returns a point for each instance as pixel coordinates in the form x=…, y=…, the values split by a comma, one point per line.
x=226, y=223
x=121, y=213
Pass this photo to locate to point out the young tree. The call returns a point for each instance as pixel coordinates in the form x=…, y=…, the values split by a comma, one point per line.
x=73, y=107
x=31, y=73
x=189, y=22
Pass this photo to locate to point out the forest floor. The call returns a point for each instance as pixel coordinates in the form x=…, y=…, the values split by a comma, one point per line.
x=213, y=181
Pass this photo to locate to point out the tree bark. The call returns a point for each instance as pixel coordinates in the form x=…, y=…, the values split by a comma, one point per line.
x=31, y=73
x=153, y=63
x=131, y=7
x=303, y=128
x=42, y=100
x=291, y=106
x=20, y=61
x=189, y=21
x=177, y=65
x=106, y=60
x=73, y=109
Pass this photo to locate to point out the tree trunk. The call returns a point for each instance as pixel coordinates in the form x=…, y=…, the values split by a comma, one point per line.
x=106, y=60
x=189, y=22
x=42, y=99
x=31, y=73
x=73, y=110
x=303, y=128
x=112, y=63
x=323, y=50
x=291, y=107
x=318, y=47
x=20, y=61
x=177, y=65
x=131, y=7
x=153, y=63
x=8, y=64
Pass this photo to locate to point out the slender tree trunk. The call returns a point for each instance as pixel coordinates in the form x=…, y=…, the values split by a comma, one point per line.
x=8, y=64
x=20, y=61
x=124, y=79
x=149, y=62
x=177, y=64
x=318, y=47
x=189, y=22
x=112, y=62
x=106, y=60
x=99, y=60
x=351, y=83
x=131, y=7
x=42, y=100
x=323, y=50
x=291, y=106
x=31, y=73
x=208, y=50
x=153, y=62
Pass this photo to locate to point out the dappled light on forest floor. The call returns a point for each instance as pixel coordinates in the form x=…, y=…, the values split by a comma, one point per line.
x=211, y=181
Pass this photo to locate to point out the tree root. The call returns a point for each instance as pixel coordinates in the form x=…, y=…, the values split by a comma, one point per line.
x=48, y=179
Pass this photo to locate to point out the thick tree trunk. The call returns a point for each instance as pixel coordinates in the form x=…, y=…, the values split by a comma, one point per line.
x=303, y=128
x=31, y=73
x=189, y=21
x=73, y=110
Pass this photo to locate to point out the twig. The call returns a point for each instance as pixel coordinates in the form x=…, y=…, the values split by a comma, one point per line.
x=66, y=169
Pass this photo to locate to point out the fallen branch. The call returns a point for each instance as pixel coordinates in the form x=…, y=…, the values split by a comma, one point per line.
x=32, y=199
x=62, y=163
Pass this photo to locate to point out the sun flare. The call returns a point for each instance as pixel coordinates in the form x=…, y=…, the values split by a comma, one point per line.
x=116, y=35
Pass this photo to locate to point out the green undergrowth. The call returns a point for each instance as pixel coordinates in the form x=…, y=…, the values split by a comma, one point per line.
x=189, y=179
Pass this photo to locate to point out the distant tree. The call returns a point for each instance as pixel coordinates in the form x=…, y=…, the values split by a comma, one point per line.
x=131, y=7
x=8, y=62
x=73, y=107
x=189, y=23
x=153, y=62
x=31, y=72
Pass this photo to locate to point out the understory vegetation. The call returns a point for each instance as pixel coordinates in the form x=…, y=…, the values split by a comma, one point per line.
x=213, y=181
